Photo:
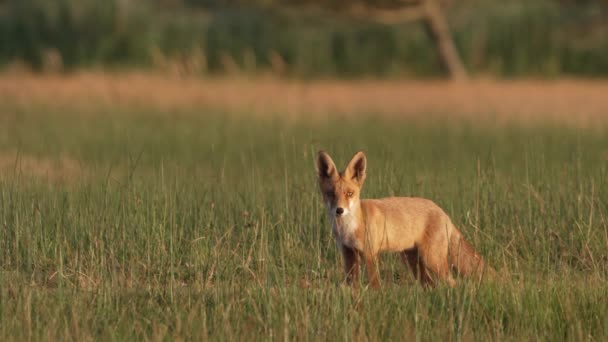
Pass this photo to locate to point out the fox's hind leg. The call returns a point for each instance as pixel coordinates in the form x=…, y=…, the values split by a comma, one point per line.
x=433, y=249
x=436, y=260
x=411, y=257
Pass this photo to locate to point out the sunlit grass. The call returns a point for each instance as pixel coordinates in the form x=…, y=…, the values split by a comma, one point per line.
x=199, y=226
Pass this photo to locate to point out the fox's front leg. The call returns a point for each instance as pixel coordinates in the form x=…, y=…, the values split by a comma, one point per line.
x=372, y=270
x=351, y=265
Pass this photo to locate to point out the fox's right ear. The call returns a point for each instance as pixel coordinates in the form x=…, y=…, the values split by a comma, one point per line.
x=326, y=169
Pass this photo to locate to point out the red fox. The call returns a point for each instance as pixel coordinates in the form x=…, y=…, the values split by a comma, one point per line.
x=416, y=228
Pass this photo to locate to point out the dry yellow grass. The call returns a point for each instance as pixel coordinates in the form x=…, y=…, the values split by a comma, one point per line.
x=52, y=170
x=578, y=102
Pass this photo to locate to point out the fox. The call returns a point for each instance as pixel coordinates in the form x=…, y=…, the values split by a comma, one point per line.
x=416, y=228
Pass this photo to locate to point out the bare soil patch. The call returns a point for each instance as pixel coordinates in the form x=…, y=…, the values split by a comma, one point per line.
x=577, y=102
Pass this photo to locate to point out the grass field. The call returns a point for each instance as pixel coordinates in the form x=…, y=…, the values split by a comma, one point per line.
x=167, y=222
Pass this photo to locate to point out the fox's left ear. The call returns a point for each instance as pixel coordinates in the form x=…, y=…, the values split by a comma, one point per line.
x=356, y=167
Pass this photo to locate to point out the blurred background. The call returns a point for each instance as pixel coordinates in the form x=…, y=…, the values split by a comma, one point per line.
x=308, y=38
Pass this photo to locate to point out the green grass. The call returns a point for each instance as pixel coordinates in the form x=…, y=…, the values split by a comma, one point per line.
x=191, y=225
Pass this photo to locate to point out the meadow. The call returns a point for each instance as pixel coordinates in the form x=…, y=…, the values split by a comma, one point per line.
x=131, y=221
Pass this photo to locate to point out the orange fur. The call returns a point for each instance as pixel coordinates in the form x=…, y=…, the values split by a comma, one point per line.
x=416, y=228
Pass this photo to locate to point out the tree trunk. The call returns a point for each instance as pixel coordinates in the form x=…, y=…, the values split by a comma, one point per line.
x=439, y=32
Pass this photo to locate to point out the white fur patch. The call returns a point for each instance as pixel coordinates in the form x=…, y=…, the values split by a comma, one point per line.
x=345, y=225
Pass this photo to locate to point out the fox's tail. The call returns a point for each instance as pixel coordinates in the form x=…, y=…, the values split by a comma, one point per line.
x=464, y=258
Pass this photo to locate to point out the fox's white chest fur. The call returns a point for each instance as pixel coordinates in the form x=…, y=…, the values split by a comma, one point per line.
x=345, y=226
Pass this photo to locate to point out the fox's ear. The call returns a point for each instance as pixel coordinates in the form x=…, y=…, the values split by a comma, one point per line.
x=356, y=167
x=326, y=169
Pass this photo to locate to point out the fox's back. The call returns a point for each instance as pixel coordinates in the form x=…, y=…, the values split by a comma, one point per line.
x=398, y=223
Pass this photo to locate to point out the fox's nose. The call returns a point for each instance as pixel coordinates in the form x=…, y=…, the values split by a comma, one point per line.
x=339, y=211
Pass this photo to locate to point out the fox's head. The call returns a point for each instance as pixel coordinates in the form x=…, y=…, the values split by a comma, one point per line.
x=341, y=189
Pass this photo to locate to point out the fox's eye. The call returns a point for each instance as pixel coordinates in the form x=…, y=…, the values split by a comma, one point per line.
x=349, y=194
x=329, y=194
